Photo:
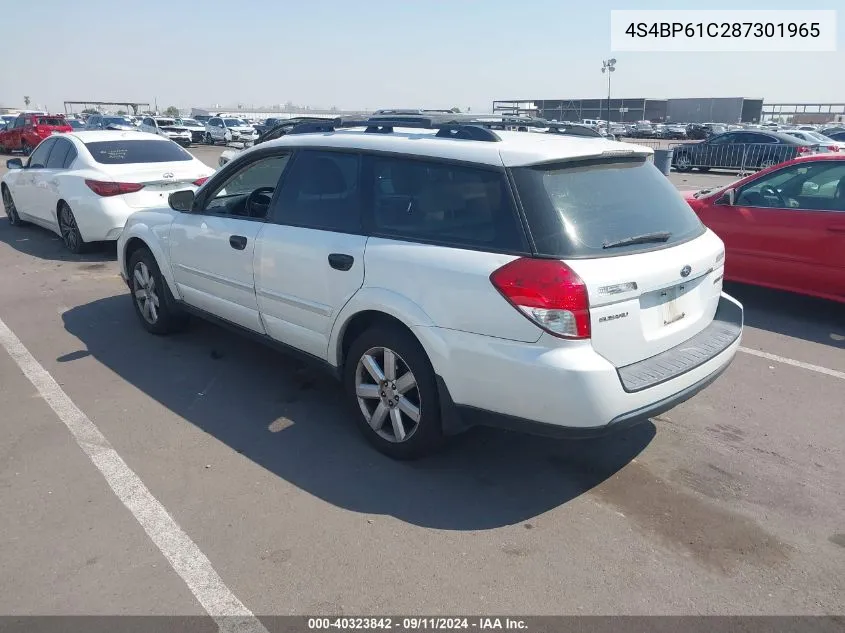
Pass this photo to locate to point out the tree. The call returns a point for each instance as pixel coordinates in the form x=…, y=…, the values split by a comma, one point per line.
x=456, y=110
x=172, y=111
x=26, y=101
x=90, y=111
x=121, y=112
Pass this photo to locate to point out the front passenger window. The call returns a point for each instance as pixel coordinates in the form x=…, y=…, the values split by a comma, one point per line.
x=248, y=192
x=322, y=192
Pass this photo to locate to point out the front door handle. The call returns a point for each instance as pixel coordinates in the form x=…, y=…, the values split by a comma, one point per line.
x=340, y=261
x=238, y=242
x=836, y=228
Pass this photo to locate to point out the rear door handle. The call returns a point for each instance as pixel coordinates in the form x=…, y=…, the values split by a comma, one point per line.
x=340, y=261
x=238, y=242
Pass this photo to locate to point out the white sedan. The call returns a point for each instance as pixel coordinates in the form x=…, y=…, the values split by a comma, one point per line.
x=84, y=185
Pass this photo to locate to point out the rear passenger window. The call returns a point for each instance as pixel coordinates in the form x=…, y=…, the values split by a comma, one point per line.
x=58, y=154
x=321, y=192
x=70, y=157
x=452, y=205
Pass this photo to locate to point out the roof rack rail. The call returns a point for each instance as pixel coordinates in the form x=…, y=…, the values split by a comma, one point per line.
x=447, y=127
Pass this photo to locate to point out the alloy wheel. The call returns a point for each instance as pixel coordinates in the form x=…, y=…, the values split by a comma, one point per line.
x=683, y=162
x=69, y=230
x=145, y=292
x=387, y=391
x=11, y=210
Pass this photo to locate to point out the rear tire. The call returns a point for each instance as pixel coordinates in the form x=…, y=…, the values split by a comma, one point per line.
x=395, y=400
x=154, y=305
x=69, y=230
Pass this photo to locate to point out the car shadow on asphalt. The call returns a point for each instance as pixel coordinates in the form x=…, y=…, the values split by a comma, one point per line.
x=791, y=314
x=293, y=421
x=43, y=244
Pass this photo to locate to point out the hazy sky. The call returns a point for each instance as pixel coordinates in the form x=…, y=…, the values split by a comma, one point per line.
x=374, y=53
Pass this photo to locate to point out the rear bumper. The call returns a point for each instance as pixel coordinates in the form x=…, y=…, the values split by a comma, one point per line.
x=570, y=390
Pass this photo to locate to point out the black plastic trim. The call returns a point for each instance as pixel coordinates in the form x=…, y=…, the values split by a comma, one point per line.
x=725, y=328
x=293, y=352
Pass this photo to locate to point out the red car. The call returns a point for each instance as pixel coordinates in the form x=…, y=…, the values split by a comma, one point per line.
x=29, y=129
x=783, y=227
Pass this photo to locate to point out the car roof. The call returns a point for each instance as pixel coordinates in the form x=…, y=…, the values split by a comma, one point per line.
x=513, y=150
x=115, y=135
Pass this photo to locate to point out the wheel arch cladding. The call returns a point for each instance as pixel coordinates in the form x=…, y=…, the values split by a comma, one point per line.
x=362, y=321
x=135, y=243
x=132, y=246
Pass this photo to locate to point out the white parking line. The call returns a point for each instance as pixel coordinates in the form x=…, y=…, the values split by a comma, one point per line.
x=794, y=363
x=183, y=554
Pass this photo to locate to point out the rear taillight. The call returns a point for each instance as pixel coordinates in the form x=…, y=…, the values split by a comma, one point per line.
x=199, y=182
x=549, y=293
x=42, y=130
x=107, y=189
x=833, y=148
x=804, y=150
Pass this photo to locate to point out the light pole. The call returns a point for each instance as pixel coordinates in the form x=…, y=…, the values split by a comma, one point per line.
x=608, y=66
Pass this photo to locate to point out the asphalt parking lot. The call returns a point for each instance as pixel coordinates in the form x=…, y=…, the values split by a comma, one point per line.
x=236, y=484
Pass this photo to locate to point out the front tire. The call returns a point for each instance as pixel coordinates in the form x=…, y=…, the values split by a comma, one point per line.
x=11, y=209
x=26, y=149
x=209, y=140
x=391, y=386
x=69, y=231
x=154, y=305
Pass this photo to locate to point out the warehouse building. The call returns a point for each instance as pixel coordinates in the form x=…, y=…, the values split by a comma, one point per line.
x=706, y=110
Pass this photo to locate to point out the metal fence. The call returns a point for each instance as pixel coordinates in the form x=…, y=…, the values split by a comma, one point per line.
x=745, y=158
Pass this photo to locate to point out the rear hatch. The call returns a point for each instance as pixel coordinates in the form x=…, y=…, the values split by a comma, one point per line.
x=160, y=166
x=651, y=269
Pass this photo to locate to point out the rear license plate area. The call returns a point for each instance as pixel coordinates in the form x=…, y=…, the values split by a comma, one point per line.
x=671, y=305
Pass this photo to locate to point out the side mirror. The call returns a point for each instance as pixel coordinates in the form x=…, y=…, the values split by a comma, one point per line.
x=181, y=200
x=727, y=198
x=14, y=163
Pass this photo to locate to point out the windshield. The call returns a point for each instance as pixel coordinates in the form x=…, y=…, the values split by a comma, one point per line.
x=165, y=121
x=136, y=151
x=187, y=122
x=575, y=210
x=234, y=122
x=116, y=120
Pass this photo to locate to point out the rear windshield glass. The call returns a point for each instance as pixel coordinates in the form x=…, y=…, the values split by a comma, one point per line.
x=116, y=120
x=233, y=122
x=50, y=120
x=585, y=209
x=136, y=151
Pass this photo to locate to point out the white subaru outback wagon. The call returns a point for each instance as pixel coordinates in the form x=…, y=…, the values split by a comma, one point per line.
x=451, y=275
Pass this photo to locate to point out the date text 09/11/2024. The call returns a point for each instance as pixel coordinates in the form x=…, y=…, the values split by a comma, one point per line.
x=417, y=623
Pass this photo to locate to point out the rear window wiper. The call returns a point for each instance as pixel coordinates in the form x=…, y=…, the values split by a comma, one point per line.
x=645, y=238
